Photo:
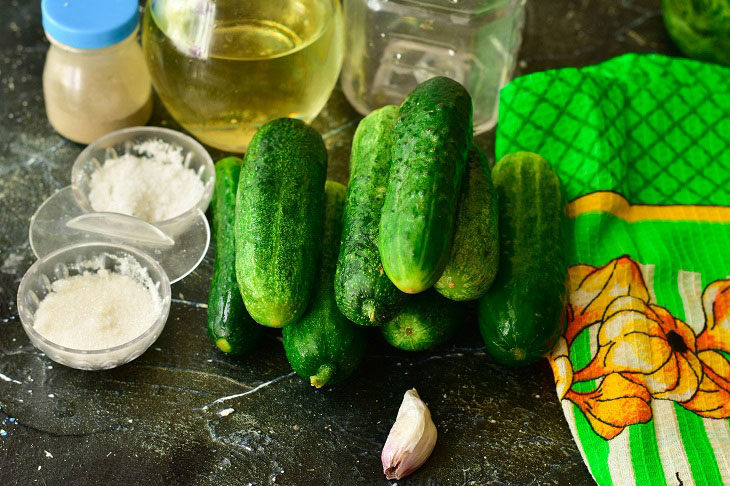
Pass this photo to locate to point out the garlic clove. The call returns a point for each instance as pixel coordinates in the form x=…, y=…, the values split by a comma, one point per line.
x=411, y=439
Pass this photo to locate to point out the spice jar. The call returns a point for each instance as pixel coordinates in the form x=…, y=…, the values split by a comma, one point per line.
x=394, y=45
x=95, y=79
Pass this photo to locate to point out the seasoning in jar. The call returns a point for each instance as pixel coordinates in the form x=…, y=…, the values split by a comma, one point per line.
x=95, y=79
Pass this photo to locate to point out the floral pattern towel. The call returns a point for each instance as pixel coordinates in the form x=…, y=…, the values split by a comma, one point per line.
x=642, y=145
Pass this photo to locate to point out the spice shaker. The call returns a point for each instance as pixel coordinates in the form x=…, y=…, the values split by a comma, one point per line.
x=95, y=79
x=394, y=45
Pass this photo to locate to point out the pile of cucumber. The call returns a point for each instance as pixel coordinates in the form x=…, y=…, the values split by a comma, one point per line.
x=422, y=215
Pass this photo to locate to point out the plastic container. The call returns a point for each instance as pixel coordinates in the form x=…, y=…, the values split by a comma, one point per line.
x=65, y=262
x=95, y=79
x=394, y=45
x=67, y=218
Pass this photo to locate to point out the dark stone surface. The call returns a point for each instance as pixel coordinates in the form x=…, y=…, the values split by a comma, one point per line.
x=156, y=420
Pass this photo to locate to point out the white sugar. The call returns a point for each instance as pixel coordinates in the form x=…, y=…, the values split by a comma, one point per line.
x=99, y=309
x=153, y=185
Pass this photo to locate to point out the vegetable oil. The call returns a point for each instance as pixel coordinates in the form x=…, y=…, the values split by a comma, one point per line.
x=225, y=68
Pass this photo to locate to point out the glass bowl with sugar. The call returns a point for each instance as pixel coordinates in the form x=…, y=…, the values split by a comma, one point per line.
x=155, y=174
x=94, y=305
x=147, y=187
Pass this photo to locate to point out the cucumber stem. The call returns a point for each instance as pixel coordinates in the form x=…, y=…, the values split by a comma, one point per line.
x=324, y=373
x=368, y=307
x=223, y=345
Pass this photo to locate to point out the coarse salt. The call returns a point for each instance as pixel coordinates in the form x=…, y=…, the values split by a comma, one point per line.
x=99, y=309
x=154, y=185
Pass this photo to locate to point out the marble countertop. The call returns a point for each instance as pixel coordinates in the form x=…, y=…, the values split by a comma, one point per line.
x=158, y=419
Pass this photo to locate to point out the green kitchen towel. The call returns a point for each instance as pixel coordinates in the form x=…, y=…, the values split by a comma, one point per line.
x=642, y=145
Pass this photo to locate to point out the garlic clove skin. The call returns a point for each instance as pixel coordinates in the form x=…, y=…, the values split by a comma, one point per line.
x=411, y=439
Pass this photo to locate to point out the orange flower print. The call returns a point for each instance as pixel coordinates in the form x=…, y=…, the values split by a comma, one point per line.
x=614, y=405
x=592, y=289
x=559, y=360
x=642, y=352
x=648, y=346
x=713, y=397
x=716, y=304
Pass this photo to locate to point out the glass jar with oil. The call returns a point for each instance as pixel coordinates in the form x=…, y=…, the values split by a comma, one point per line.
x=223, y=68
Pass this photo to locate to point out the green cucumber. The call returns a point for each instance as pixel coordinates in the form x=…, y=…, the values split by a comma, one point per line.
x=431, y=140
x=427, y=320
x=229, y=325
x=521, y=316
x=475, y=252
x=363, y=292
x=324, y=346
x=279, y=220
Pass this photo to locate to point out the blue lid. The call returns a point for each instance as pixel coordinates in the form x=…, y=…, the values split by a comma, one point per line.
x=89, y=24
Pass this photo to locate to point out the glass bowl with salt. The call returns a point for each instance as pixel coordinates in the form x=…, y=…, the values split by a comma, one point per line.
x=147, y=187
x=94, y=306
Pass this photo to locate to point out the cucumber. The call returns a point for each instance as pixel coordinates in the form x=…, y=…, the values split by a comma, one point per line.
x=279, y=220
x=363, y=292
x=324, y=346
x=521, y=316
x=431, y=140
x=427, y=320
x=474, y=256
x=229, y=325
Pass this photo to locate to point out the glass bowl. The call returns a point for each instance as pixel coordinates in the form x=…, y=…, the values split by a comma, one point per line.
x=67, y=218
x=123, y=141
x=69, y=261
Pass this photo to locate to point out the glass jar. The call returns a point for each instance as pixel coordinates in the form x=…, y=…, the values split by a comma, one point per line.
x=394, y=45
x=95, y=80
x=223, y=68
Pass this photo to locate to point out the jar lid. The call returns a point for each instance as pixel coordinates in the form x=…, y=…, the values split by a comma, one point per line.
x=89, y=24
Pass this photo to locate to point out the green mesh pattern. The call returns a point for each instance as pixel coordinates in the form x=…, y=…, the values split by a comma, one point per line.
x=653, y=128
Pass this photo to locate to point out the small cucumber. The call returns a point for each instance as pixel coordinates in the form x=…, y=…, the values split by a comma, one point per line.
x=363, y=292
x=229, y=325
x=324, y=346
x=521, y=316
x=427, y=320
x=431, y=140
x=475, y=251
x=279, y=220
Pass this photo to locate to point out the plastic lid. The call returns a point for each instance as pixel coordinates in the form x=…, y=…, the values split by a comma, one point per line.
x=462, y=7
x=89, y=24
x=60, y=222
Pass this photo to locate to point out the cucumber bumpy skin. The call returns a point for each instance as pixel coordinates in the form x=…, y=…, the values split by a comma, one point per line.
x=279, y=220
x=522, y=315
x=431, y=140
x=324, y=346
x=230, y=327
x=363, y=292
x=475, y=252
